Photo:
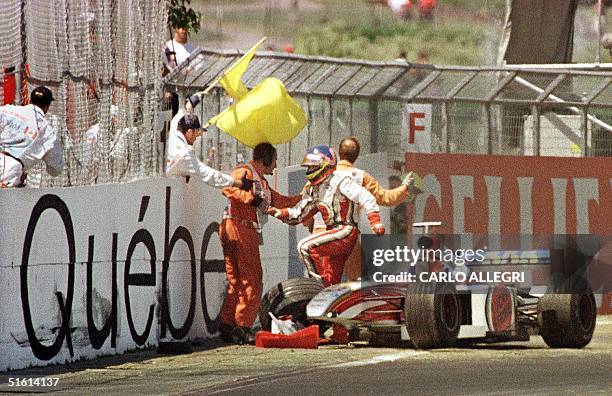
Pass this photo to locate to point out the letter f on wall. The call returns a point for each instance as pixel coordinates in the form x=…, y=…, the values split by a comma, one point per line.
x=413, y=127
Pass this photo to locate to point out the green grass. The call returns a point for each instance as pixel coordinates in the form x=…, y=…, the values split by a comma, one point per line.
x=449, y=43
x=464, y=32
x=356, y=29
x=494, y=8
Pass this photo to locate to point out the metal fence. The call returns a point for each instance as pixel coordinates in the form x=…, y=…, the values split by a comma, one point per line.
x=102, y=59
x=560, y=110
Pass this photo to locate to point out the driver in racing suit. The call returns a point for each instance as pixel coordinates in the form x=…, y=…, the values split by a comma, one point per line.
x=336, y=197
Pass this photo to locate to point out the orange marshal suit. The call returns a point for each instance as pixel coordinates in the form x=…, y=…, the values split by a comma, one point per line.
x=384, y=197
x=240, y=242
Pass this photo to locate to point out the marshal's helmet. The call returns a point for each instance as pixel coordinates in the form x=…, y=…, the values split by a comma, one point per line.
x=320, y=162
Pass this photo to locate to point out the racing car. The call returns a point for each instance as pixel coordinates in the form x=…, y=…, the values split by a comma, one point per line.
x=438, y=314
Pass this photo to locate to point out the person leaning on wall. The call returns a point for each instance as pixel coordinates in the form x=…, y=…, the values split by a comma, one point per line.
x=182, y=160
x=26, y=138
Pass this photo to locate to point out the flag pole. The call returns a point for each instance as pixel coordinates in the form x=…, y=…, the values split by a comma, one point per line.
x=214, y=83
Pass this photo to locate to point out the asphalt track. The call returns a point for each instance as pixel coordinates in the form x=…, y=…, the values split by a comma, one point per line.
x=213, y=368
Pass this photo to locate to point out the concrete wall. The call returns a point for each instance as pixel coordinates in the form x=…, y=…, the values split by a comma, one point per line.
x=82, y=269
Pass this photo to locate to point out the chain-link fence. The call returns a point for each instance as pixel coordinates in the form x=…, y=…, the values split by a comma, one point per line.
x=101, y=59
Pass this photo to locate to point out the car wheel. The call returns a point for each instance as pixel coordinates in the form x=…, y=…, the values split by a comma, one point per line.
x=567, y=320
x=289, y=298
x=432, y=313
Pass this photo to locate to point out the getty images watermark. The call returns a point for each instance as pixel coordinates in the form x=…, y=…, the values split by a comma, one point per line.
x=443, y=265
x=524, y=261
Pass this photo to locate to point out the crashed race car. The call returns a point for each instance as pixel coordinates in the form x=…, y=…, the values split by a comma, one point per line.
x=438, y=314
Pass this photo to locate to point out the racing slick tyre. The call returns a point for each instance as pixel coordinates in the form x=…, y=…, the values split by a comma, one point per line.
x=567, y=320
x=432, y=312
x=288, y=298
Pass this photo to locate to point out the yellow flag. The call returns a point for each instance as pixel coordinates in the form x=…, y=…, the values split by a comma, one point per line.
x=231, y=80
x=265, y=114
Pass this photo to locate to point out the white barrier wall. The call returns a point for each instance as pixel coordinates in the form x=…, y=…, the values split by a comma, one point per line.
x=83, y=269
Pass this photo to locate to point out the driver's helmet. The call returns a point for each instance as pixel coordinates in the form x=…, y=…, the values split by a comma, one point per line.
x=320, y=162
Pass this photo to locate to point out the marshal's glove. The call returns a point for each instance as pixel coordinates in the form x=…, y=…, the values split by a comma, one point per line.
x=414, y=183
x=281, y=214
x=247, y=184
x=377, y=227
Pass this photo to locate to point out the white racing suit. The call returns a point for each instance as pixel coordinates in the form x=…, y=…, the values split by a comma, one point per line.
x=337, y=199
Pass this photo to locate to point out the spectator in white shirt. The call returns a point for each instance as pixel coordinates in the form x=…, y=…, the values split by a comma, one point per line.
x=26, y=138
x=182, y=160
x=175, y=52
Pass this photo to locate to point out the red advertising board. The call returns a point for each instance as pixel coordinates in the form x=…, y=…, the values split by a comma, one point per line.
x=488, y=194
x=510, y=195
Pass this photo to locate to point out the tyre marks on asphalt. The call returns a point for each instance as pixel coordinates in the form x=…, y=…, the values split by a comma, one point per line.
x=392, y=357
x=244, y=384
